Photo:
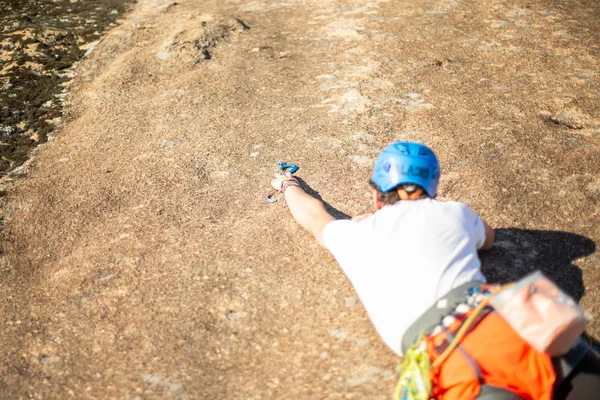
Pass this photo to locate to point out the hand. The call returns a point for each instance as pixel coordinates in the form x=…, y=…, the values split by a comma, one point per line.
x=280, y=179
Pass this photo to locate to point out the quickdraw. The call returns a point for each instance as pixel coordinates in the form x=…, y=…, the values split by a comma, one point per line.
x=283, y=167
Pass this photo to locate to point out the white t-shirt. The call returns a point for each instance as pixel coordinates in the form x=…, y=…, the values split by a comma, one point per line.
x=405, y=256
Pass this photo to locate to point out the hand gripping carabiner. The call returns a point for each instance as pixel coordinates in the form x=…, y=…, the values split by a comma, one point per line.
x=283, y=167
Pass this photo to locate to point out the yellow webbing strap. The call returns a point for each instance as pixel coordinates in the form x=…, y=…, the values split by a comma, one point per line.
x=467, y=324
x=461, y=333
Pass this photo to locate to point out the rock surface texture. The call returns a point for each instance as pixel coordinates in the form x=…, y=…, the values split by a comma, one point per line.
x=140, y=258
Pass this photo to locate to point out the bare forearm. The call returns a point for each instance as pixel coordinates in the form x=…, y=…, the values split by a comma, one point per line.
x=490, y=236
x=309, y=212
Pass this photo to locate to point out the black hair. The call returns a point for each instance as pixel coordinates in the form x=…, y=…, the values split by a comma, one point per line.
x=391, y=196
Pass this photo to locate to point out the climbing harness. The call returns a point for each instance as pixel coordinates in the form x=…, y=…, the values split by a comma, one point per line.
x=282, y=168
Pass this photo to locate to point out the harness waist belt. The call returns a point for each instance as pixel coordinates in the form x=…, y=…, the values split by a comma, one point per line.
x=433, y=316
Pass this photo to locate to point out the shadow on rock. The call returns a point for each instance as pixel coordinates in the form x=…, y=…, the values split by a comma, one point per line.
x=517, y=252
x=330, y=209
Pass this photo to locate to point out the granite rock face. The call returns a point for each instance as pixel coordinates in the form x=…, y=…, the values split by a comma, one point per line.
x=140, y=258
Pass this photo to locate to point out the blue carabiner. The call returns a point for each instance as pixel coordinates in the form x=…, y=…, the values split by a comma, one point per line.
x=285, y=166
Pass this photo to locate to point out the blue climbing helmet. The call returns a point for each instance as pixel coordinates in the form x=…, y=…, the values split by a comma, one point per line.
x=407, y=163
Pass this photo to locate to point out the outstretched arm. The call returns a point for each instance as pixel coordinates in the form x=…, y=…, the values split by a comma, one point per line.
x=309, y=212
x=490, y=235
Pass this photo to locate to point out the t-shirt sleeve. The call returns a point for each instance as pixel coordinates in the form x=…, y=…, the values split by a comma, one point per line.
x=346, y=240
x=476, y=226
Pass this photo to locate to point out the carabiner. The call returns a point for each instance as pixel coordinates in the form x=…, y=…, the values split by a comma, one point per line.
x=274, y=196
x=283, y=167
